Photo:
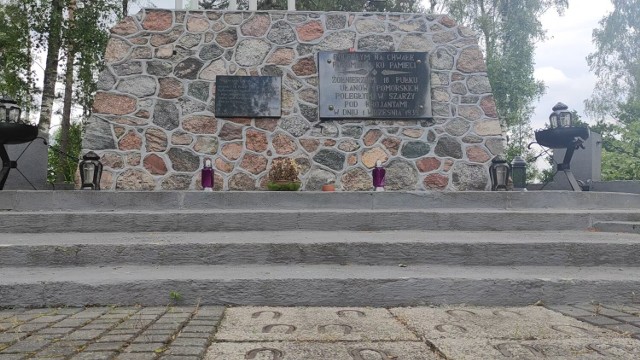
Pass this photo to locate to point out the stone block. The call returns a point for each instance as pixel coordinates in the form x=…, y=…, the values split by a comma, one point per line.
x=311, y=324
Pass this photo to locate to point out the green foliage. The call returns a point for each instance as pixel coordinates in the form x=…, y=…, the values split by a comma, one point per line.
x=621, y=143
x=615, y=61
x=287, y=186
x=175, y=297
x=510, y=30
x=89, y=36
x=616, y=98
x=16, y=77
x=32, y=26
x=56, y=165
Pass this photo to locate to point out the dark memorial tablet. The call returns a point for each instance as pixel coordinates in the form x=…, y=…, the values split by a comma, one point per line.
x=248, y=96
x=374, y=85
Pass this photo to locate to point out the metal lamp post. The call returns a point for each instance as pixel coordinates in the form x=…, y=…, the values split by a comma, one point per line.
x=90, y=171
x=563, y=133
x=499, y=172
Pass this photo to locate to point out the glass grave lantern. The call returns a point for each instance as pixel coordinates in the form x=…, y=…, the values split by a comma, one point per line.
x=519, y=173
x=90, y=171
x=561, y=117
x=9, y=111
x=499, y=172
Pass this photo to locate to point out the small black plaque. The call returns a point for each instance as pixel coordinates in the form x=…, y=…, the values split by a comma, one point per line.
x=248, y=96
x=374, y=85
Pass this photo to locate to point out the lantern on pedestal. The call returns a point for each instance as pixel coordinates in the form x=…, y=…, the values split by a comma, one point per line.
x=564, y=133
x=90, y=171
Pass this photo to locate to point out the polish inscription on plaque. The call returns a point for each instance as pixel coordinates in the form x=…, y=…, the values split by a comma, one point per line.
x=248, y=96
x=374, y=85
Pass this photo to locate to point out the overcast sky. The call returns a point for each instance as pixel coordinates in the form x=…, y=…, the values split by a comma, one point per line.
x=560, y=60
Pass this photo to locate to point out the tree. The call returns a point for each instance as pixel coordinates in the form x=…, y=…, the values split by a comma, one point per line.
x=16, y=77
x=89, y=37
x=509, y=32
x=53, y=34
x=615, y=61
x=76, y=37
x=621, y=142
x=65, y=170
x=68, y=91
x=84, y=37
x=616, y=98
x=41, y=25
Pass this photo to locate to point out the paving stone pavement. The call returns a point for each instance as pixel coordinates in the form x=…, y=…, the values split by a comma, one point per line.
x=581, y=331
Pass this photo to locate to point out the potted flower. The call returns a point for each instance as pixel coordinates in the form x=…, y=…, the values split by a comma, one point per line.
x=283, y=175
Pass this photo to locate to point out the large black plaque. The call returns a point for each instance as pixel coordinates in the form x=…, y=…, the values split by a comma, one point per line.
x=248, y=96
x=374, y=85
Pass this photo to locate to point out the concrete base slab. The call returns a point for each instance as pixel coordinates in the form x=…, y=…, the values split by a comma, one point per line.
x=320, y=351
x=569, y=349
x=311, y=324
x=530, y=323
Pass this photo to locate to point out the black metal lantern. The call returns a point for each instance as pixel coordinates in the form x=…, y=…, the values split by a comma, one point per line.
x=519, y=173
x=561, y=117
x=9, y=110
x=90, y=171
x=499, y=172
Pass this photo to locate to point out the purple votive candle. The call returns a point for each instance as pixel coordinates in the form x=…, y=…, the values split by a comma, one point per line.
x=378, y=176
x=207, y=176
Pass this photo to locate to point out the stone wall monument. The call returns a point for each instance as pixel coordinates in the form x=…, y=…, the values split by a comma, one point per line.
x=154, y=117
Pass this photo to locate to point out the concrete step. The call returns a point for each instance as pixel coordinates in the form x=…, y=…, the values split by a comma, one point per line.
x=316, y=285
x=268, y=200
x=388, y=248
x=478, y=219
x=632, y=227
x=305, y=248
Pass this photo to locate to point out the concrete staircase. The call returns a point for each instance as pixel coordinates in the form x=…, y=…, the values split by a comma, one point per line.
x=304, y=248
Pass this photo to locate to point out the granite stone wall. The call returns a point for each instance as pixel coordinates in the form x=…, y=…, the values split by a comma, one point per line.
x=154, y=121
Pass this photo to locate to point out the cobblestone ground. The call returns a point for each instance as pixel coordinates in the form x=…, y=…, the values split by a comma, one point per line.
x=178, y=332
x=95, y=333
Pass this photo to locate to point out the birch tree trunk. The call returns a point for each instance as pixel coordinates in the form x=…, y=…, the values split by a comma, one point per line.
x=68, y=95
x=51, y=67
